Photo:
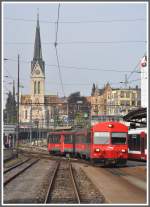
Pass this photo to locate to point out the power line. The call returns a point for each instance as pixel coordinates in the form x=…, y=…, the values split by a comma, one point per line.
x=134, y=69
x=55, y=44
x=80, y=42
x=75, y=67
x=78, y=22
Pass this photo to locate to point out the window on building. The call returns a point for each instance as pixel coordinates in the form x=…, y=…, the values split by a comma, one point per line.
x=139, y=103
x=127, y=103
x=26, y=114
x=115, y=95
x=128, y=94
x=34, y=87
x=122, y=94
x=133, y=95
x=38, y=87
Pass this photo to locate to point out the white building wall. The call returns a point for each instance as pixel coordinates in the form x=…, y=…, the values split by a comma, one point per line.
x=144, y=83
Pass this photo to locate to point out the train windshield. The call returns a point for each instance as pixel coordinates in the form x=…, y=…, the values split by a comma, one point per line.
x=101, y=138
x=119, y=138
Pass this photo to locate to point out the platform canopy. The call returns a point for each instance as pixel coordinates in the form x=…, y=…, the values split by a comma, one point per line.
x=137, y=116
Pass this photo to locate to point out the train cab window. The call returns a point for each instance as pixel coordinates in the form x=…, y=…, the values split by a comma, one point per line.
x=119, y=138
x=101, y=138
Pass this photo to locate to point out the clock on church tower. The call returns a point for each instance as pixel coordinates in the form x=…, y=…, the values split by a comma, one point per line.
x=37, y=72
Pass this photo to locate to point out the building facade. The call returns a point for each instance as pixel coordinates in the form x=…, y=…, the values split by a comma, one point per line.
x=114, y=101
x=99, y=99
x=120, y=101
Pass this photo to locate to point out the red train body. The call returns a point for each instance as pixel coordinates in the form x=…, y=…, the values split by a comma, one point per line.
x=137, y=143
x=105, y=141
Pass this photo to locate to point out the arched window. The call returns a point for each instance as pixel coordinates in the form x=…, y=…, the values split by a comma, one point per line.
x=34, y=87
x=38, y=87
x=26, y=114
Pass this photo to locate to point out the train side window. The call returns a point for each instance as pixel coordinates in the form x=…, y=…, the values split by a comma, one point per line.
x=79, y=139
x=134, y=142
x=89, y=137
x=50, y=138
x=56, y=139
x=68, y=139
x=146, y=141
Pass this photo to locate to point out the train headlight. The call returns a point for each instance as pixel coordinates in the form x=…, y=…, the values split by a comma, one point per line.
x=97, y=150
x=110, y=125
x=123, y=150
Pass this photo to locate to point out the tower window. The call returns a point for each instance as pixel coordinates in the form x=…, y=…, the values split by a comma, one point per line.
x=34, y=87
x=26, y=114
x=38, y=87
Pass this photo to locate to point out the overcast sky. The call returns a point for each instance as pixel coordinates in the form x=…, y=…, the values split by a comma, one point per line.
x=97, y=39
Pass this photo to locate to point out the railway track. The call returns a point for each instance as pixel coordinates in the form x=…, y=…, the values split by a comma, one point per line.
x=16, y=165
x=18, y=169
x=62, y=187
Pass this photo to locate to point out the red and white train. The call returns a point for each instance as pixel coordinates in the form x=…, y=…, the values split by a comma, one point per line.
x=137, y=144
x=106, y=141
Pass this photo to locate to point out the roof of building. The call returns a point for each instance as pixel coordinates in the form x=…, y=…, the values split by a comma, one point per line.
x=52, y=99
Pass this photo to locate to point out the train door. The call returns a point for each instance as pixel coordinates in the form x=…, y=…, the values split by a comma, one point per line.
x=62, y=143
x=143, y=144
x=73, y=143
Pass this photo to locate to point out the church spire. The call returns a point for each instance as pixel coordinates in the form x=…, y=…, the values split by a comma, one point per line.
x=37, y=43
x=37, y=56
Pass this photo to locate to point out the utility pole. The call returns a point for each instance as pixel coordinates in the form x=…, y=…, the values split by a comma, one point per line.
x=17, y=137
x=67, y=112
x=31, y=125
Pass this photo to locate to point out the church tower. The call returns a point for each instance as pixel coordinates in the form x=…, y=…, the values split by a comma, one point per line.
x=37, y=69
x=38, y=78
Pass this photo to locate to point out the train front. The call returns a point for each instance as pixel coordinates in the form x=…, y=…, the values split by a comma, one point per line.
x=109, y=143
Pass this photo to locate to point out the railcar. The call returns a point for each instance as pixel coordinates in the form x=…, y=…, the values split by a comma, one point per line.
x=60, y=142
x=106, y=141
x=109, y=142
x=137, y=144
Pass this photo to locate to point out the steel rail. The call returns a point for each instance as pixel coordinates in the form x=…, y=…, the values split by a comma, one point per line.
x=74, y=183
x=20, y=172
x=17, y=165
x=51, y=182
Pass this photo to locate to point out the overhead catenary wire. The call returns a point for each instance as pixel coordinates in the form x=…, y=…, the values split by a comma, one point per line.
x=75, y=67
x=82, y=42
x=134, y=69
x=55, y=44
x=78, y=22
